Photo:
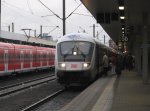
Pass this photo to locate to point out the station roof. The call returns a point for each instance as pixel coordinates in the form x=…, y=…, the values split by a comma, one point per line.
x=107, y=13
x=22, y=38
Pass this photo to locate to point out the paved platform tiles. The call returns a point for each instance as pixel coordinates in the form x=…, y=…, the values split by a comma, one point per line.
x=97, y=96
x=112, y=93
x=131, y=93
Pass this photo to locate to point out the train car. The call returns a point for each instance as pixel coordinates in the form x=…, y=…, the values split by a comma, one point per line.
x=23, y=58
x=45, y=57
x=78, y=59
x=6, y=65
x=16, y=58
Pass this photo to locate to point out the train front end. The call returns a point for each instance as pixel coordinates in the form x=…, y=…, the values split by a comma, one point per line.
x=73, y=60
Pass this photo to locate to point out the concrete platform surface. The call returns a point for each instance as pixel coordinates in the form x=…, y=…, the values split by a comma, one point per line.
x=131, y=94
x=97, y=97
x=112, y=93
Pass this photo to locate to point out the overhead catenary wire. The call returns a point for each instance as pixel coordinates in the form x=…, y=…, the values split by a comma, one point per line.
x=21, y=11
x=53, y=29
x=77, y=2
x=83, y=14
x=17, y=11
x=50, y=10
x=21, y=14
x=47, y=15
x=58, y=15
x=83, y=29
x=29, y=7
x=16, y=7
x=74, y=10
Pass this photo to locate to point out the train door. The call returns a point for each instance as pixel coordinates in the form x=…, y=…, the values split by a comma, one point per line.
x=6, y=56
x=22, y=59
x=31, y=59
x=53, y=57
x=2, y=67
x=41, y=59
x=47, y=59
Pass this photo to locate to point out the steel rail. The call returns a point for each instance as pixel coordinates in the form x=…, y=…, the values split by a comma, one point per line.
x=41, y=102
x=25, y=85
x=17, y=84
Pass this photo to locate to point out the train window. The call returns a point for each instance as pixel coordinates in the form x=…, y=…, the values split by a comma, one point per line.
x=84, y=47
x=34, y=57
x=50, y=55
x=41, y=56
x=1, y=58
x=47, y=56
x=53, y=55
x=22, y=57
x=44, y=56
x=18, y=57
x=11, y=58
x=38, y=56
x=81, y=47
x=28, y=57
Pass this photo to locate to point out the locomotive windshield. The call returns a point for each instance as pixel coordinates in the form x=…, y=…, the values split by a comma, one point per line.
x=80, y=47
x=82, y=50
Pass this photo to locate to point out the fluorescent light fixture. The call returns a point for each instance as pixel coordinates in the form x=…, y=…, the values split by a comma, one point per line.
x=123, y=32
x=122, y=28
x=122, y=17
x=121, y=7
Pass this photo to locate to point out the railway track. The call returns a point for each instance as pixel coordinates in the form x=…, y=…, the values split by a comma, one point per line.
x=7, y=90
x=42, y=101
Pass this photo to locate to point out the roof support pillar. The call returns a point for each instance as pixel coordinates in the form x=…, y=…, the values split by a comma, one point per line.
x=145, y=48
x=138, y=55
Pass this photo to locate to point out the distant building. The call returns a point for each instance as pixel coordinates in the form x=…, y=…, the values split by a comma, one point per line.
x=47, y=37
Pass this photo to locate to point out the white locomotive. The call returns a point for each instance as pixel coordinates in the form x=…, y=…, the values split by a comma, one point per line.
x=78, y=58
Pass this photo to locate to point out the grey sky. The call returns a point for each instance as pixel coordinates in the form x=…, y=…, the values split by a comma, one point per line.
x=27, y=14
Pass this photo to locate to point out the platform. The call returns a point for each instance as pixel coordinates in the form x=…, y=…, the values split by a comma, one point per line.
x=112, y=93
x=131, y=94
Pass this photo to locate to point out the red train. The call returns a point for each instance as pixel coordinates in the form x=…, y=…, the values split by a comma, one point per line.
x=16, y=58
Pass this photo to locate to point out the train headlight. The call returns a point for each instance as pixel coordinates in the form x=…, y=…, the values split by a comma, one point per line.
x=85, y=65
x=62, y=65
x=74, y=53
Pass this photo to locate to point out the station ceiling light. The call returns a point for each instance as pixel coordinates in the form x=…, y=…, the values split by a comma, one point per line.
x=122, y=17
x=121, y=7
x=122, y=28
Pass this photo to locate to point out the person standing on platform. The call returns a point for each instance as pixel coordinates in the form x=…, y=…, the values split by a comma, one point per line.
x=105, y=64
x=130, y=62
x=119, y=63
x=113, y=61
